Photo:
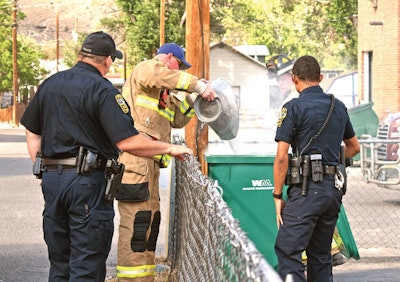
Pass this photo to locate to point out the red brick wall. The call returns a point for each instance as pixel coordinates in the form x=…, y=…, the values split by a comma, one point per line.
x=383, y=42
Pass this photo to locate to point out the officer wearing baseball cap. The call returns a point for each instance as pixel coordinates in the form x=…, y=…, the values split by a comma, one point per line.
x=101, y=44
x=76, y=126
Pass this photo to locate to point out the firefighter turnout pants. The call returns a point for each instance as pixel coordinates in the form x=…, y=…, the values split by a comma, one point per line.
x=139, y=224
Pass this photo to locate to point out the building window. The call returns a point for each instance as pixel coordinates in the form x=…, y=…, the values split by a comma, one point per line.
x=367, y=81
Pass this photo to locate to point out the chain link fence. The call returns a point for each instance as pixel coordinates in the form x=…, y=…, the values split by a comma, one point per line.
x=373, y=212
x=206, y=242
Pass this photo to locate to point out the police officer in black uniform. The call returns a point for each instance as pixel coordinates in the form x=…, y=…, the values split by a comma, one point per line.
x=76, y=125
x=308, y=218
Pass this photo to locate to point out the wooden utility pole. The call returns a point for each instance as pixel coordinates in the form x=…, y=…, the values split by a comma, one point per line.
x=162, y=22
x=15, y=62
x=57, y=38
x=198, y=54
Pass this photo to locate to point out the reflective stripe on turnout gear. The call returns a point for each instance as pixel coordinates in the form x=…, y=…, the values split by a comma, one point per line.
x=136, y=271
x=152, y=104
x=184, y=81
x=186, y=109
x=163, y=159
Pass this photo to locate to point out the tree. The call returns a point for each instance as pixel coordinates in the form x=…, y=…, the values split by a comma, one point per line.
x=323, y=28
x=342, y=19
x=142, y=26
x=236, y=19
x=71, y=50
x=142, y=18
x=298, y=27
x=29, y=70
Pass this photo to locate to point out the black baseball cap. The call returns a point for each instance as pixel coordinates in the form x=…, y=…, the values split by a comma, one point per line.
x=101, y=44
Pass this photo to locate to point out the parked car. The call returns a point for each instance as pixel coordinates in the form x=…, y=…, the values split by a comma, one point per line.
x=344, y=87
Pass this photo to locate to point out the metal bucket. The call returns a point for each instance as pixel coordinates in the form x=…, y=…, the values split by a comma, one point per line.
x=222, y=114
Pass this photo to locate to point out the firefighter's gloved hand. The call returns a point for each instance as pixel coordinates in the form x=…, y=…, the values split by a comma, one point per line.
x=205, y=90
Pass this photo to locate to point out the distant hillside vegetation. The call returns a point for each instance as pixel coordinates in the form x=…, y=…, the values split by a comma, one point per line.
x=74, y=16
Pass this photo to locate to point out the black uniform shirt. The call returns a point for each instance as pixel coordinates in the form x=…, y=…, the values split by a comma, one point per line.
x=78, y=107
x=302, y=117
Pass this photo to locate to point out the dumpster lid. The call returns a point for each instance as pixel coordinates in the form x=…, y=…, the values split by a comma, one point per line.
x=360, y=108
x=234, y=159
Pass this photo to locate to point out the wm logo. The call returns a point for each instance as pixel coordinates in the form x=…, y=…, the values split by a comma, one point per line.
x=261, y=183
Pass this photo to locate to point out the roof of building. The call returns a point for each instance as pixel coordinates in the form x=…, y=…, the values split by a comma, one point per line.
x=253, y=50
x=236, y=50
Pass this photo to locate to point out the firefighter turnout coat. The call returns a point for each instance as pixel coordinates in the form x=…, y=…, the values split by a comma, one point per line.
x=154, y=93
x=159, y=101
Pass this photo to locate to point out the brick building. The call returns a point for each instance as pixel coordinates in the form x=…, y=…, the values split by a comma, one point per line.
x=379, y=54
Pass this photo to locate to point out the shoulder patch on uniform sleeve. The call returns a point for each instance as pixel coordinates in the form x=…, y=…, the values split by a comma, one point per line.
x=282, y=116
x=122, y=103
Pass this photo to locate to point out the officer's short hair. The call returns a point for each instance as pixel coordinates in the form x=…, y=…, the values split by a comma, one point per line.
x=307, y=68
x=95, y=58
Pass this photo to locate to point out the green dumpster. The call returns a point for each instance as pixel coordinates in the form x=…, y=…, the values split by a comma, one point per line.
x=364, y=120
x=247, y=184
x=347, y=244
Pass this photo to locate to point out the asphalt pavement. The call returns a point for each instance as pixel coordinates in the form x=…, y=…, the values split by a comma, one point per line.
x=23, y=254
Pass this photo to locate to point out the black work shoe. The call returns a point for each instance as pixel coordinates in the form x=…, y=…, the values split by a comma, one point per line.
x=338, y=259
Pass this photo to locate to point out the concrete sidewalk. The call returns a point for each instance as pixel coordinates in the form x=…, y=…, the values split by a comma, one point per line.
x=23, y=254
x=375, y=264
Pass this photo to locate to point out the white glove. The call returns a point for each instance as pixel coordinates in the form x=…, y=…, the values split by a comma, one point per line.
x=201, y=86
x=205, y=90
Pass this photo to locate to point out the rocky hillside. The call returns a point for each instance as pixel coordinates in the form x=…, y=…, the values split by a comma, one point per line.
x=74, y=16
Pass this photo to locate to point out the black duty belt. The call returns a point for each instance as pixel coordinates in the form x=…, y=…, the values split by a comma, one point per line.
x=330, y=169
x=100, y=163
x=54, y=162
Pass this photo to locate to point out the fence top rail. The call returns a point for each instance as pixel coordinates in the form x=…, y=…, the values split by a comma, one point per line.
x=379, y=141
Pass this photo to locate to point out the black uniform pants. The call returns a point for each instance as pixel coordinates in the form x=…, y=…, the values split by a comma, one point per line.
x=308, y=224
x=77, y=224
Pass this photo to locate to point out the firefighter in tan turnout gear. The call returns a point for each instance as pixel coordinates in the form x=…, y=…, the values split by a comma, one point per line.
x=151, y=91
